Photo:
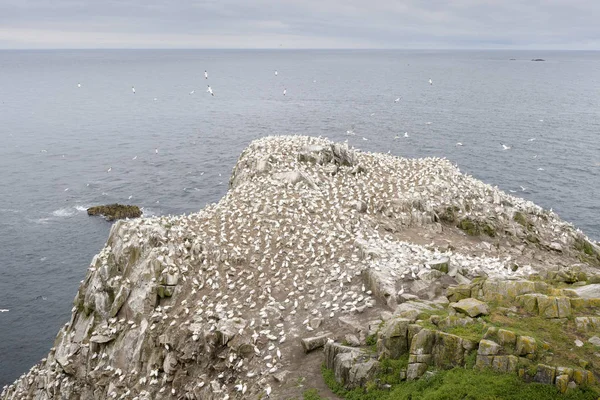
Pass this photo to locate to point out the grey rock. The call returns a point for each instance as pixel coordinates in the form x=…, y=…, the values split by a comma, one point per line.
x=312, y=343
x=471, y=307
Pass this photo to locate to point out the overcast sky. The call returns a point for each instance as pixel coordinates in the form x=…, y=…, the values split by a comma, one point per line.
x=527, y=24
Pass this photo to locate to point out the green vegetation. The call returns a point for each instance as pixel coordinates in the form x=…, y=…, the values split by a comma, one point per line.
x=475, y=228
x=459, y=383
x=311, y=394
x=521, y=219
x=588, y=254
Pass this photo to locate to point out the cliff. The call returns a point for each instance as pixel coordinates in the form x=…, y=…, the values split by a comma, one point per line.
x=313, y=240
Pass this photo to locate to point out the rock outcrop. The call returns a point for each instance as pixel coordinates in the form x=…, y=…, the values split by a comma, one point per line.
x=112, y=212
x=314, y=244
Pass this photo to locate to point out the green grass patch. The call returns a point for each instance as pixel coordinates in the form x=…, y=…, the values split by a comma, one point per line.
x=460, y=383
x=311, y=394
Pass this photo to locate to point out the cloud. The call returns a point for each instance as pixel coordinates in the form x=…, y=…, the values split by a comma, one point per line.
x=299, y=24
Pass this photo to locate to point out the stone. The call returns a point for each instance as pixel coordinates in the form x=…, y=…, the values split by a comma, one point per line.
x=101, y=339
x=545, y=374
x=420, y=358
x=525, y=345
x=529, y=302
x=311, y=343
x=564, y=307
x=564, y=371
x=332, y=350
x=547, y=307
x=562, y=382
x=506, y=338
x=456, y=293
x=578, y=343
x=361, y=372
x=415, y=371
x=352, y=340
x=393, y=341
x=595, y=340
x=472, y=307
x=588, y=291
x=316, y=323
x=441, y=264
x=422, y=342
x=483, y=362
x=488, y=348
x=587, y=323
x=281, y=376
x=115, y=211
x=449, y=350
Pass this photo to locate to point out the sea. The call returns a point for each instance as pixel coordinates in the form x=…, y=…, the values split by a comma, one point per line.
x=73, y=134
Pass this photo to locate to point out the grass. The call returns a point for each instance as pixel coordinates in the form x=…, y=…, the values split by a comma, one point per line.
x=460, y=383
x=559, y=336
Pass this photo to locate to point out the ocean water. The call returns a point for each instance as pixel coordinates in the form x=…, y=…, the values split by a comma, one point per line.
x=172, y=150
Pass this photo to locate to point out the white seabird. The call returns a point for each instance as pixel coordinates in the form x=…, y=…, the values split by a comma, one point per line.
x=397, y=100
x=205, y=74
x=133, y=89
x=4, y=310
x=209, y=90
x=505, y=147
x=405, y=134
x=430, y=81
x=284, y=91
x=78, y=84
x=275, y=72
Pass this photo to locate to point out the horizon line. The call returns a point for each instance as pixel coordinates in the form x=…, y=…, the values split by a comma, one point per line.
x=289, y=49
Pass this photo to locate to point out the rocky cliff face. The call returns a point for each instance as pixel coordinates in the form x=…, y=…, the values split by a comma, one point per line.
x=313, y=239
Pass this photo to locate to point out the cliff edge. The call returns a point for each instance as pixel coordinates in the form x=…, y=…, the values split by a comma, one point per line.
x=313, y=240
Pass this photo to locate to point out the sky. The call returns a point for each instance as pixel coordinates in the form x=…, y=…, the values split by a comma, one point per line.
x=293, y=24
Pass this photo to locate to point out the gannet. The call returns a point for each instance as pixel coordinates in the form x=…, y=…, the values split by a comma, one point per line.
x=505, y=147
x=78, y=84
x=284, y=91
x=397, y=100
x=275, y=72
x=209, y=90
x=430, y=81
x=133, y=89
x=205, y=74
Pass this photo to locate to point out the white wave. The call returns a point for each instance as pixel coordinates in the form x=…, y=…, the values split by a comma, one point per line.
x=63, y=212
x=149, y=212
x=10, y=210
x=81, y=208
x=39, y=220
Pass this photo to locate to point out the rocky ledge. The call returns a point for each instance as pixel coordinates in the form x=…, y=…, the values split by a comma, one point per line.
x=112, y=212
x=317, y=245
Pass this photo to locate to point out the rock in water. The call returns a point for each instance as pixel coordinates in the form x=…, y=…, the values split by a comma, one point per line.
x=115, y=211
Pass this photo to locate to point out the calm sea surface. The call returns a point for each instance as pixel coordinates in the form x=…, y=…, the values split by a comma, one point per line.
x=58, y=141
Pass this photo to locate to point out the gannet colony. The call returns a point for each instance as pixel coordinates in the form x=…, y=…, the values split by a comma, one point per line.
x=215, y=304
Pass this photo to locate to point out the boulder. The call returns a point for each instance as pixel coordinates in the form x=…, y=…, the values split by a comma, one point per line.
x=545, y=374
x=562, y=382
x=422, y=342
x=115, y=211
x=525, y=345
x=415, y=371
x=472, y=307
x=506, y=338
x=312, y=343
x=393, y=341
x=595, y=340
x=441, y=264
x=456, y=293
x=332, y=350
x=449, y=350
x=488, y=348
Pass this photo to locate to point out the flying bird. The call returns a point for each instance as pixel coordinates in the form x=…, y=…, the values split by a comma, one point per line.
x=430, y=81
x=78, y=84
x=205, y=74
x=284, y=91
x=505, y=147
x=397, y=100
x=209, y=90
x=133, y=89
x=275, y=72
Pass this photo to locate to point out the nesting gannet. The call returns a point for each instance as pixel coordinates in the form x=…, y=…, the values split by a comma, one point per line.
x=205, y=74
x=209, y=90
x=133, y=89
